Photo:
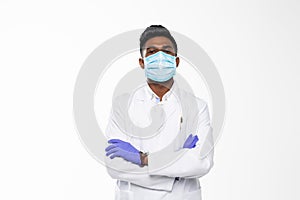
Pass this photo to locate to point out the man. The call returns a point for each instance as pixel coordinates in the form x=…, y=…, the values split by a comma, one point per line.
x=185, y=116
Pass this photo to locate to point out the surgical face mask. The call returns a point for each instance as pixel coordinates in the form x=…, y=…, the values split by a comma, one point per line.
x=160, y=66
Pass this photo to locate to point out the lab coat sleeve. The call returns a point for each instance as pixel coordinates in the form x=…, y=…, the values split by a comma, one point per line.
x=195, y=162
x=121, y=169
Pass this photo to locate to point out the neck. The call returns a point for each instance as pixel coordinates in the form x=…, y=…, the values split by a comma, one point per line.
x=160, y=88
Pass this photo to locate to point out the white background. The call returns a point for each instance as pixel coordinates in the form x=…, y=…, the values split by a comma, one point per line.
x=254, y=45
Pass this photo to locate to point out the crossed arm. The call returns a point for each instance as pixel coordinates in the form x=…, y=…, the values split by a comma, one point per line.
x=196, y=161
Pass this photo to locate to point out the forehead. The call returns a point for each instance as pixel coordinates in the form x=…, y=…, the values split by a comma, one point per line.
x=158, y=41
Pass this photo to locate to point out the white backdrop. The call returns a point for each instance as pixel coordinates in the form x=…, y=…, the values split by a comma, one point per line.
x=254, y=44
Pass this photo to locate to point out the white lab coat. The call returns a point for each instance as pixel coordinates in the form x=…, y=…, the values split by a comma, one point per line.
x=162, y=183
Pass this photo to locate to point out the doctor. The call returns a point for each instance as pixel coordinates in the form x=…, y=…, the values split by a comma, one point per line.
x=179, y=180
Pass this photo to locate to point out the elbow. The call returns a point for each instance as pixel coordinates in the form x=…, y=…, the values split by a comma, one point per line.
x=209, y=166
x=204, y=168
x=198, y=170
x=112, y=173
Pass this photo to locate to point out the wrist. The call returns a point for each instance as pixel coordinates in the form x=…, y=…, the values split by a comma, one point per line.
x=144, y=159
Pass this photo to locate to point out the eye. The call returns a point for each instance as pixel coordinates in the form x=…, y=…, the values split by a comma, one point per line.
x=169, y=52
x=151, y=51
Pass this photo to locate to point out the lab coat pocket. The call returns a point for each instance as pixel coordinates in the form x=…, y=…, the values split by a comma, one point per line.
x=123, y=194
x=194, y=195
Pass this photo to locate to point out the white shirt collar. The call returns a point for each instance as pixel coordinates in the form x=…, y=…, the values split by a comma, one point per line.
x=150, y=95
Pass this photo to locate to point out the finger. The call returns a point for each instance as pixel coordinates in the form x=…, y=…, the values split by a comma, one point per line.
x=192, y=144
x=115, y=155
x=114, y=150
x=110, y=147
x=189, y=138
x=112, y=141
x=195, y=140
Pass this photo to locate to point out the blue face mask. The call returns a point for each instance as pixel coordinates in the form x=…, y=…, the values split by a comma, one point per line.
x=160, y=66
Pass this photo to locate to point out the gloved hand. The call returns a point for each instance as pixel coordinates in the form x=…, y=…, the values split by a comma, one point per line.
x=123, y=145
x=191, y=141
x=122, y=149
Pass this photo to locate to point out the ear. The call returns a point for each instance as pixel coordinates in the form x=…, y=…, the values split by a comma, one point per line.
x=141, y=62
x=177, y=61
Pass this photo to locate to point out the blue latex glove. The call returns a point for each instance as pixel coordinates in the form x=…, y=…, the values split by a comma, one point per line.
x=114, y=151
x=125, y=150
x=191, y=141
x=123, y=145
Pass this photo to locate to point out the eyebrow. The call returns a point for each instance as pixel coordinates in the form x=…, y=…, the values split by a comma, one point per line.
x=164, y=47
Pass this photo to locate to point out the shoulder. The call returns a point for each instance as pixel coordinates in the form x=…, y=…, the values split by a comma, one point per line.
x=193, y=99
x=136, y=93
